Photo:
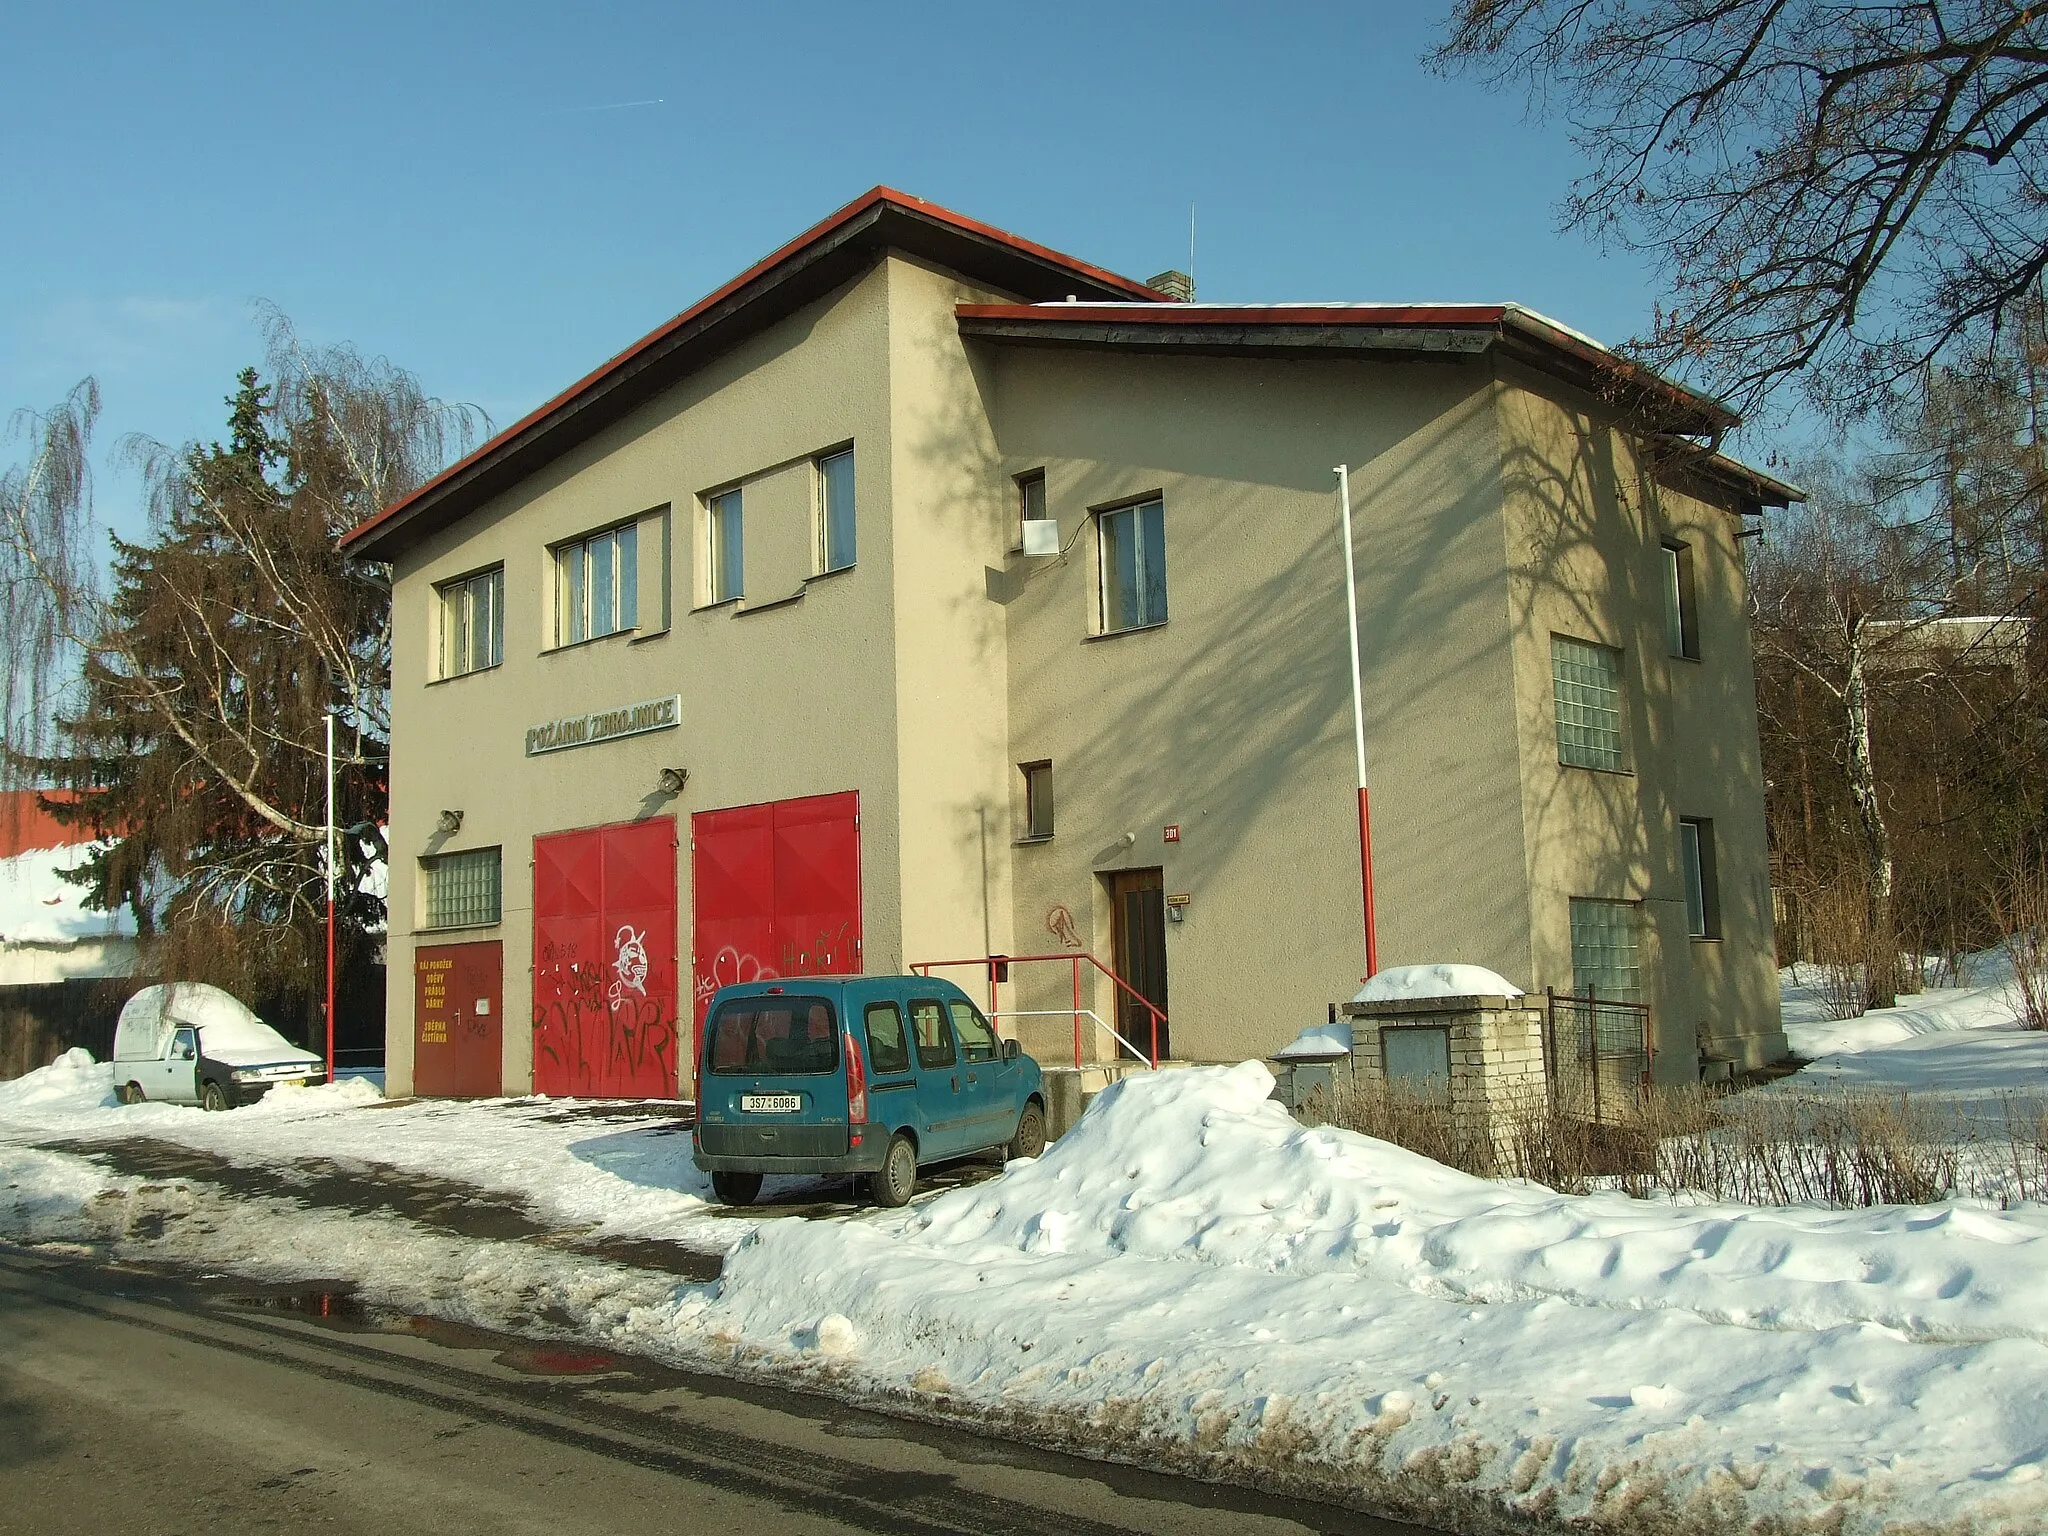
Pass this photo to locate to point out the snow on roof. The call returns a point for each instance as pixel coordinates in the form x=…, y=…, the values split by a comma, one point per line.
x=1319, y=1042
x=1401, y=983
x=39, y=906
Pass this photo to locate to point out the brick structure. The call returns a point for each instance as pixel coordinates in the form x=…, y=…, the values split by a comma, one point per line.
x=1495, y=1054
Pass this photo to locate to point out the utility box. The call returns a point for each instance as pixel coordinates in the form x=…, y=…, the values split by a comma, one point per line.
x=1483, y=1055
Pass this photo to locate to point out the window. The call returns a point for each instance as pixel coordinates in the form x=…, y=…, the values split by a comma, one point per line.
x=775, y=1037
x=934, y=1040
x=460, y=890
x=1133, y=542
x=1681, y=622
x=1037, y=799
x=835, y=511
x=1418, y=1057
x=1030, y=501
x=184, y=1045
x=888, y=1051
x=597, y=585
x=724, y=547
x=472, y=622
x=1696, y=869
x=1605, y=962
x=1587, y=681
x=977, y=1040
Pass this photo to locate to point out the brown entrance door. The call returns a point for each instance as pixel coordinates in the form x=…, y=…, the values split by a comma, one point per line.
x=458, y=995
x=1137, y=900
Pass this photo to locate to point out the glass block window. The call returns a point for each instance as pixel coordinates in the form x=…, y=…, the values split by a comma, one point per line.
x=1133, y=543
x=835, y=511
x=461, y=890
x=472, y=622
x=1606, y=958
x=1587, y=681
x=597, y=585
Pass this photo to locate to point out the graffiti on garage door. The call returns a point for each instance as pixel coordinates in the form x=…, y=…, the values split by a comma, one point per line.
x=776, y=891
x=605, y=994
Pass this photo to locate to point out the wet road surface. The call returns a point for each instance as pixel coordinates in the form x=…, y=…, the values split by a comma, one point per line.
x=136, y=1401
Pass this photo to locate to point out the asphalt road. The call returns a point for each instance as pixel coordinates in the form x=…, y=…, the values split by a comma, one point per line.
x=136, y=1402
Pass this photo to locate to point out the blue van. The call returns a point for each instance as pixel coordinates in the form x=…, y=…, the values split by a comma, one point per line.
x=871, y=1075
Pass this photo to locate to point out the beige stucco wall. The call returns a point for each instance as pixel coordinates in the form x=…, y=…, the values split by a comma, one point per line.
x=1233, y=720
x=1587, y=524
x=794, y=700
x=1487, y=515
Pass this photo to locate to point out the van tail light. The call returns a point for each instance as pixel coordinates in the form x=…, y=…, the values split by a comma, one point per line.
x=856, y=1084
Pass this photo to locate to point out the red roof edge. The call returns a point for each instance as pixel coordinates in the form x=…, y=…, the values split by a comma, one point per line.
x=853, y=210
x=1252, y=314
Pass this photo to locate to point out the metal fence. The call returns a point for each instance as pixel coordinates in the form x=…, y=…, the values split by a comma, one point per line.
x=1596, y=1054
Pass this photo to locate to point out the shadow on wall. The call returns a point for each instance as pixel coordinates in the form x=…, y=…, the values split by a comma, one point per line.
x=1252, y=702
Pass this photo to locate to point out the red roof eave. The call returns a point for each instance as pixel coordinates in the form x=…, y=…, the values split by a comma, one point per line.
x=768, y=263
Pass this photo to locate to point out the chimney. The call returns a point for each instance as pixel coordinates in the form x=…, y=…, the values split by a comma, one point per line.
x=1175, y=284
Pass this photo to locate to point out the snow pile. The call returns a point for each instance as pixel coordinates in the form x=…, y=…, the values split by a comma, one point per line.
x=1309, y=1308
x=1989, y=1001
x=71, y=1084
x=1401, y=983
x=1200, y=1166
x=39, y=906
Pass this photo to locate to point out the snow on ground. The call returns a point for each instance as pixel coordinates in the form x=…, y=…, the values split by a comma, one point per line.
x=1989, y=1001
x=1189, y=1278
x=613, y=1177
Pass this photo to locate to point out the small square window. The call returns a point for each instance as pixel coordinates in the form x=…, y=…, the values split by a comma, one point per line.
x=597, y=585
x=1697, y=873
x=835, y=511
x=1037, y=799
x=724, y=547
x=1133, y=547
x=460, y=890
x=472, y=622
x=1586, y=680
x=1030, y=502
x=1681, y=617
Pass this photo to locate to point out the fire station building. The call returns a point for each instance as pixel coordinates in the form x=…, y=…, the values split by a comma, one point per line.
x=924, y=594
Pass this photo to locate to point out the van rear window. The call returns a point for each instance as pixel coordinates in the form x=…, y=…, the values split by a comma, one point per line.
x=774, y=1037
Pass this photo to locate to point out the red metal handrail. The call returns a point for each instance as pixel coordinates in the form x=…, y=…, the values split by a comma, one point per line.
x=926, y=967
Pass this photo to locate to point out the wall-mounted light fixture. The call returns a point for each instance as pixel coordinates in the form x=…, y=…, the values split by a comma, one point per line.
x=673, y=780
x=450, y=823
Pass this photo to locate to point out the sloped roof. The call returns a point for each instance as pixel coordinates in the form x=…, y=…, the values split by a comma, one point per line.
x=807, y=268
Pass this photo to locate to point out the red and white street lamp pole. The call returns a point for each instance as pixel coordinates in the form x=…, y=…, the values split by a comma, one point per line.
x=328, y=860
x=1372, y=946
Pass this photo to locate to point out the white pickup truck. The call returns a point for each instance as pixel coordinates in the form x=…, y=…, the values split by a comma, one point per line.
x=189, y=1043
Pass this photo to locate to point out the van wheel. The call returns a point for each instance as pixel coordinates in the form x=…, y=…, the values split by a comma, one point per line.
x=893, y=1183
x=211, y=1097
x=129, y=1093
x=736, y=1188
x=1030, y=1138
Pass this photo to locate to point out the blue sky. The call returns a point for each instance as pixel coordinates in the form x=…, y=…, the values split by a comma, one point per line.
x=460, y=188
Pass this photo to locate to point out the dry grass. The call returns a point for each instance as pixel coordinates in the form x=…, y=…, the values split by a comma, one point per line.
x=2020, y=909
x=1837, y=1149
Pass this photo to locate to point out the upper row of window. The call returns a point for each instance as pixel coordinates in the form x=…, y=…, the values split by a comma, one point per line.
x=597, y=576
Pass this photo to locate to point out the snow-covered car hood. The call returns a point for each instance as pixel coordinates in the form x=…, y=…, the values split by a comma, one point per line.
x=247, y=1055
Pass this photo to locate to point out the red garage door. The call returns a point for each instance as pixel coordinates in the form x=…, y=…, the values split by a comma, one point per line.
x=777, y=891
x=605, y=1000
